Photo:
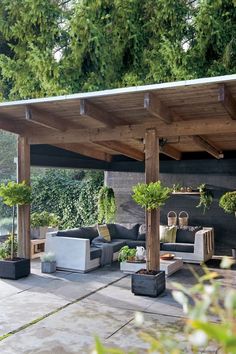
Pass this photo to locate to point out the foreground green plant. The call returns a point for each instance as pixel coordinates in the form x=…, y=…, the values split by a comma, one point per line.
x=5, y=247
x=210, y=308
x=126, y=253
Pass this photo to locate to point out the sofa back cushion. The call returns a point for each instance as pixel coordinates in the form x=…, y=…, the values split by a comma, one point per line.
x=186, y=234
x=123, y=231
x=104, y=232
x=142, y=232
x=89, y=232
x=167, y=233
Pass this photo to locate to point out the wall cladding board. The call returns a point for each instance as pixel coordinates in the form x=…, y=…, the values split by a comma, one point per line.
x=219, y=182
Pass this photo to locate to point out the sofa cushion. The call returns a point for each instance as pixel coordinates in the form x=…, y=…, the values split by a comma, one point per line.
x=135, y=243
x=177, y=247
x=95, y=252
x=142, y=232
x=123, y=231
x=167, y=233
x=117, y=245
x=103, y=232
x=186, y=234
x=89, y=232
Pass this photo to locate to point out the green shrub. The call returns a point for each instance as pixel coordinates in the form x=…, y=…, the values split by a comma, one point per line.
x=71, y=194
x=106, y=205
x=44, y=219
x=228, y=202
x=5, y=248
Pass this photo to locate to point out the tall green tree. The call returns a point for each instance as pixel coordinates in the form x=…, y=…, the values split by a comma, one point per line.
x=66, y=46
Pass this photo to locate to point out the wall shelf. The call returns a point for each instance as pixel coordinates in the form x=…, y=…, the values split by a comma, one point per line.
x=191, y=193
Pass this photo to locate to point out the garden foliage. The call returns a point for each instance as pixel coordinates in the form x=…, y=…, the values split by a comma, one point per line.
x=56, y=47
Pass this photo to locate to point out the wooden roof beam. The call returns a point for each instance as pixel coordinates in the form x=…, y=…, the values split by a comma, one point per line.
x=90, y=110
x=170, y=151
x=124, y=133
x=156, y=108
x=8, y=125
x=123, y=149
x=85, y=150
x=208, y=147
x=44, y=119
x=227, y=100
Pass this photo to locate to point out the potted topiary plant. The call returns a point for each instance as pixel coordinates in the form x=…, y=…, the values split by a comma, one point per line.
x=48, y=263
x=43, y=222
x=11, y=266
x=148, y=281
x=228, y=203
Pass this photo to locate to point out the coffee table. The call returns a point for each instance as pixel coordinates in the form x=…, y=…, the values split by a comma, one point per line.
x=170, y=266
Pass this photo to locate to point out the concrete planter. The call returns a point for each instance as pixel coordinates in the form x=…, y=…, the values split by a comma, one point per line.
x=14, y=269
x=148, y=285
x=48, y=267
x=41, y=231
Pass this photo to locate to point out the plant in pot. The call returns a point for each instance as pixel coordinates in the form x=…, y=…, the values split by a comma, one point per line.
x=206, y=197
x=106, y=205
x=127, y=254
x=48, y=263
x=11, y=266
x=228, y=203
x=151, y=196
x=43, y=222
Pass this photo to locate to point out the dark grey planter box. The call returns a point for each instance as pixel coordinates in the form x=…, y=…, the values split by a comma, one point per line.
x=48, y=267
x=148, y=285
x=15, y=269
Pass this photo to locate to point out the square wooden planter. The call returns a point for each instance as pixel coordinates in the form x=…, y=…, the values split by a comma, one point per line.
x=148, y=285
x=15, y=269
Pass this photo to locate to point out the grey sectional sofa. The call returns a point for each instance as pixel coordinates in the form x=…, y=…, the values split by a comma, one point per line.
x=75, y=251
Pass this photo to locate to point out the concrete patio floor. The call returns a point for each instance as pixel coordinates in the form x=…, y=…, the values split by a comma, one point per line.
x=63, y=312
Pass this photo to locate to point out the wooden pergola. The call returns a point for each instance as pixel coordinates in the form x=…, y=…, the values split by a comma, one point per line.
x=138, y=122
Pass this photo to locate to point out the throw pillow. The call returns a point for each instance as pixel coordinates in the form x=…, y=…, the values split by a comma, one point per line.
x=167, y=234
x=104, y=232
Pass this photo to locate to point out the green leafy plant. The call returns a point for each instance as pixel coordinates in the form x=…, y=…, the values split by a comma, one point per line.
x=228, y=202
x=126, y=254
x=151, y=196
x=44, y=219
x=48, y=257
x=5, y=248
x=14, y=194
x=210, y=311
x=206, y=198
x=106, y=205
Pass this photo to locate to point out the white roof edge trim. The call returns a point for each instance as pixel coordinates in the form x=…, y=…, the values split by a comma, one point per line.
x=120, y=91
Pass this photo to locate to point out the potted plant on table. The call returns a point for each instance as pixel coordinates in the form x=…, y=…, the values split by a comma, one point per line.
x=48, y=263
x=43, y=222
x=150, y=281
x=11, y=266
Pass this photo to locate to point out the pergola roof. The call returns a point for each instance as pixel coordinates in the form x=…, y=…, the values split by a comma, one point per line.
x=195, y=116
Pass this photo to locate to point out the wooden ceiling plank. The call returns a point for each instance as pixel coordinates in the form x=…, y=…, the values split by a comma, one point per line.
x=85, y=150
x=170, y=151
x=208, y=147
x=44, y=119
x=227, y=101
x=10, y=126
x=123, y=149
x=156, y=108
x=90, y=110
x=123, y=133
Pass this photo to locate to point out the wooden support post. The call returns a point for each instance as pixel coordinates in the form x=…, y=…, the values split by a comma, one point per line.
x=152, y=217
x=23, y=214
